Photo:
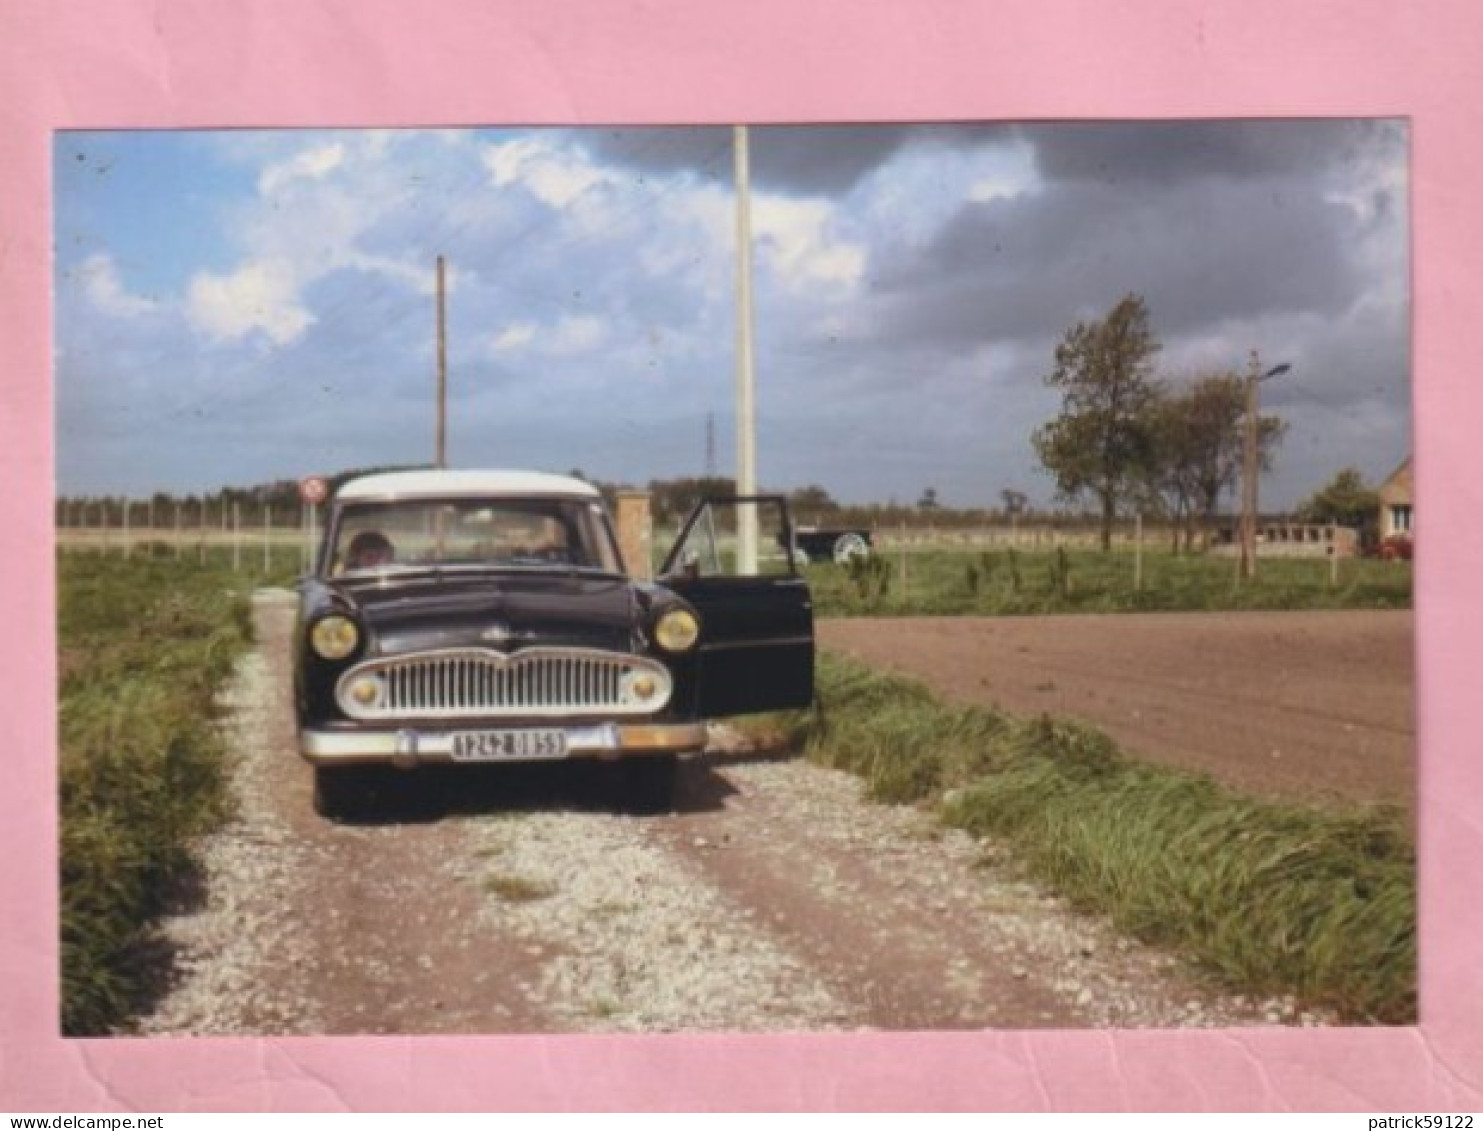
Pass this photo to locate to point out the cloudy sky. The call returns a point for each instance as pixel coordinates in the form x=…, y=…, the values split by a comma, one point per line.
x=240, y=306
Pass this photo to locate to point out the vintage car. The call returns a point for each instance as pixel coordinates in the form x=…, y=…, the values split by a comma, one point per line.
x=813, y=544
x=486, y=616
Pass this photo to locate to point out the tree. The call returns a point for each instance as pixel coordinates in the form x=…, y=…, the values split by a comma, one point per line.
x=812, y=497
x=1100, y=445
x=1345, y=500
x=928, y=501
x=1198, y=446
x=1015, y=502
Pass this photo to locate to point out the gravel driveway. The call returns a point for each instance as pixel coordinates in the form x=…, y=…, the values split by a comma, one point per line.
x=520, y=900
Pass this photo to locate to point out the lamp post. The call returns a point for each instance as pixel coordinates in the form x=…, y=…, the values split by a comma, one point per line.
x=1251, y=462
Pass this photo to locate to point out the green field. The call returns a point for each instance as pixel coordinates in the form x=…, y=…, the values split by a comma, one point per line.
x=994, y=582
x=145, y=646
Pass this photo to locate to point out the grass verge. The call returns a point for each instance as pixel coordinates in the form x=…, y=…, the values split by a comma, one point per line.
x=144, y=647
x=1005, y=582
x=1271, y=898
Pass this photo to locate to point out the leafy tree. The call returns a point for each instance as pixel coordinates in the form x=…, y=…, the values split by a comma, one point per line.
x=813, y=497
x=1198, y=446
x=1346, y=501
x=1101, y=446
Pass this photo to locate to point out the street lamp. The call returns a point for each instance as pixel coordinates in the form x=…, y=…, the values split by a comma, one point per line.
x=1250, y=464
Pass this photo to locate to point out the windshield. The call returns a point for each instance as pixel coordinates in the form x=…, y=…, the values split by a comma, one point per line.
x=499, y=533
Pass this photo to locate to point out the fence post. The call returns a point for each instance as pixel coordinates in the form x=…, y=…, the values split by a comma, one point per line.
x=1138, y=553
x=177, y=532
x=236, y=537
x=128, y=546
x=267, y=539
x=903, y=560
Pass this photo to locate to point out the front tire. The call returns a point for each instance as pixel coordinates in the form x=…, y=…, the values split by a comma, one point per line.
x=648, y=783
x=344, y=793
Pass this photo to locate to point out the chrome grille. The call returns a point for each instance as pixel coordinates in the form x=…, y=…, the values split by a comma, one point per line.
x=476, y=682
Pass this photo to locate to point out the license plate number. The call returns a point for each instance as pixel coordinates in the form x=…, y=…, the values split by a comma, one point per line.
x=508, y=745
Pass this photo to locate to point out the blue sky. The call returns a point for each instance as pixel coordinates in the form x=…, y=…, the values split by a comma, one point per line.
x=240, y=306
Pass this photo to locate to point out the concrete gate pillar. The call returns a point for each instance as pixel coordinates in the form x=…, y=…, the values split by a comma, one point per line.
x=636, y=533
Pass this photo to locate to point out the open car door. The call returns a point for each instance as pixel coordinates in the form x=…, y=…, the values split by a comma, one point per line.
x=735, y=563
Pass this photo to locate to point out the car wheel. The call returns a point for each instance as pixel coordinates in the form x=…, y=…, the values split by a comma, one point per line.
x=800, y=559
x=344, y=793
x=847, y=547
x=648, y=783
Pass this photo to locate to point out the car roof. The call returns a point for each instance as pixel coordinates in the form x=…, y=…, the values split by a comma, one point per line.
x=394, y=485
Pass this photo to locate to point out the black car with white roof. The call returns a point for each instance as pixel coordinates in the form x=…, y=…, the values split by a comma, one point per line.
x=486, y=616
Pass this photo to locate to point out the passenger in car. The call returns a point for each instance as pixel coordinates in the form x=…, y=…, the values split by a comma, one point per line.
x=370, y=549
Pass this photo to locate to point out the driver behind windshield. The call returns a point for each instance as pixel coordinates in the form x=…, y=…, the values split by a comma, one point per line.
x=369, y=550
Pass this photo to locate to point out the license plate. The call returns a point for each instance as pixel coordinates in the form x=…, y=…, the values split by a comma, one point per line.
x=508, y=745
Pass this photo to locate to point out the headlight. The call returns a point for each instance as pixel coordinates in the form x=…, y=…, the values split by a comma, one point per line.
x=677, y=631
x=334, y=637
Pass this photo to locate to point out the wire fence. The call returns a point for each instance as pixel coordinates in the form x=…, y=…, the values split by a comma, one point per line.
x=264, y=540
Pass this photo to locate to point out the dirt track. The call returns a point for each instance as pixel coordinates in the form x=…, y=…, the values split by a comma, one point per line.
x=1308, y=705
x=521, y=900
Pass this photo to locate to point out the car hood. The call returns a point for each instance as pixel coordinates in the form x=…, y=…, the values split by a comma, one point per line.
x=496, y=610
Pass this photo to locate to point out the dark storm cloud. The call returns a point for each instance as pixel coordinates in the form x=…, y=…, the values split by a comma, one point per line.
x=1034, y=265
x=1249, y=149
x=802, y=160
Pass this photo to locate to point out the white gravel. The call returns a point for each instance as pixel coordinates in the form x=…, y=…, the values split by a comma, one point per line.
x=637, y=941
x=628, y=923
x=240, y=961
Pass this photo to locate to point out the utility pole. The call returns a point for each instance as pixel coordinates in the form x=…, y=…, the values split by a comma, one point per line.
x=746, y=435
x=1251, y=463
x=442, y=454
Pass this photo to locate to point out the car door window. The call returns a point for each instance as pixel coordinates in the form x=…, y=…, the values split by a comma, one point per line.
x=735, y=538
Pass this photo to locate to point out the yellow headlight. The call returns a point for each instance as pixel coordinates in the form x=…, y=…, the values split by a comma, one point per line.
x=334, y=637
x=677, y=631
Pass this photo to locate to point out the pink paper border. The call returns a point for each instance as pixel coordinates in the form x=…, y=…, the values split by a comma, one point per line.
x=388, y=62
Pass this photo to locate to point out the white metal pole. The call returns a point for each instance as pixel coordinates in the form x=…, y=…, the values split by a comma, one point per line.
x=746, y=433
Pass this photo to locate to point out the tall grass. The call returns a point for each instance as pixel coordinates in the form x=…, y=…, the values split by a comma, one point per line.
x=1268, y=897
x=1010, y=581
x=145, y=644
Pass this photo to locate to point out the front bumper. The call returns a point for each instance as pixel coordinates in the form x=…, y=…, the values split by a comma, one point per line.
x=411, y=746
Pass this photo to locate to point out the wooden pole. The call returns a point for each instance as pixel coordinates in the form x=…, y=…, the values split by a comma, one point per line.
x=177, y=532
x=267, y=539
x=903, y=560
x=1138, y=552
x=236, y=537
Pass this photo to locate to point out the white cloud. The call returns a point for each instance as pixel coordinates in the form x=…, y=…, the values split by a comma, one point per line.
x=312, y=164
x=577, y=333
x=514, y=337
x=104, y=288
x=554, y=177
x=794, y=235
x=261, y=296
